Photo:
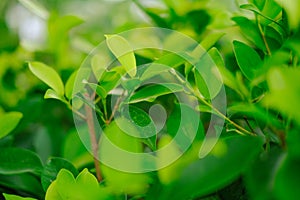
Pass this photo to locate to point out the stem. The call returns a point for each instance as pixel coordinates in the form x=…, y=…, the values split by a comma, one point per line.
x=225, y=117
x=93, y=137
x=76, y=112
x=212, y=107
x=263, y=37
x=115, y=108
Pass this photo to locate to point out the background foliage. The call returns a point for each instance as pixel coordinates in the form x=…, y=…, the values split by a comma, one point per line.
x=256, y=46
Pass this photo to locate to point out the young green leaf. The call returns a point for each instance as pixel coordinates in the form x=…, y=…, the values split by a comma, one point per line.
x=85, y=186
x=8, y=122
x=17, y=160
x=247, y=59
x=250, y=31
x=123, y=52
x=52, y=94
x=151, y=92
x=48, y=75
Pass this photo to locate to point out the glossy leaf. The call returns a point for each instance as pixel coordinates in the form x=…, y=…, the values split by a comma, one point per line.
x=250, y=31
x=48, y=75
x=248, y=60
x=8, y=122
x=52, y=94
x=51, y=169
x=123, y=52
x=151, y=92
x=141, y=121
x=17, y=160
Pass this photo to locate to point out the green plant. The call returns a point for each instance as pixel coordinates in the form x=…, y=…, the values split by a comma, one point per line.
x=242, y=145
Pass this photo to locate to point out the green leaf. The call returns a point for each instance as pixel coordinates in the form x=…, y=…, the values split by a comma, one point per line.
x=52, y=94
x=15, y=197
x=111, y=79
x=17, y=160
x=70, y=85
x=8, y=122
x=85, y=186
x=284, y=91
x=207, y=77
x=137, y=119
x=123, y=52
x=48, y=75
x=250, y=31
x=26, y=183
x=184, y=121
x=248, y=60
x=51, y=169
x=151, y=92
x=227, y=77
x=100, y=91
x=211, y=173
x=267, y=15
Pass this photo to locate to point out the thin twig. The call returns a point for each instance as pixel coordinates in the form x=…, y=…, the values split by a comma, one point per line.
x=263, y=37
x=115, y=108
x=201, y=99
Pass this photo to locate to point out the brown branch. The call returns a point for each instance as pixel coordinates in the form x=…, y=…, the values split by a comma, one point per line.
x=93, y=137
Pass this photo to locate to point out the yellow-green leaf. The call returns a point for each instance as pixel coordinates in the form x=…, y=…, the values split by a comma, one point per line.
x=123, y=52
x=48, y=75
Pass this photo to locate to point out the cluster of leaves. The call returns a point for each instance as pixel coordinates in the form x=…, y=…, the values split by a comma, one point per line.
x=257, y=156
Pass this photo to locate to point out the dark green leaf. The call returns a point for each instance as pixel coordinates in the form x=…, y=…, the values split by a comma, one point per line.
x=141, y=121
x=17, y=160
x=151, y=92
x=25, y=183
x=51, y=169
x=248, y=60
x=250, y=31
